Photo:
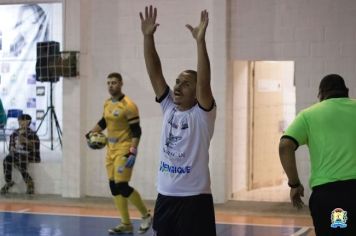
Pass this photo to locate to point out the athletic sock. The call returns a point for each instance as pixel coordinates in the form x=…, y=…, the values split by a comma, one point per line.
x=121, y=205
x=136, y=200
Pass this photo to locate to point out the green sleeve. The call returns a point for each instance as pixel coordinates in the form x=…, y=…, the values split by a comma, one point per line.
x=298, y=129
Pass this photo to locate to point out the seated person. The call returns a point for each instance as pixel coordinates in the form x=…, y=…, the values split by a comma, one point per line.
x=24, y=148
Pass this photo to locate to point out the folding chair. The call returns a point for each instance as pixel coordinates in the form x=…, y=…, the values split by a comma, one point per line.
x=10, y=126
x=12, y=117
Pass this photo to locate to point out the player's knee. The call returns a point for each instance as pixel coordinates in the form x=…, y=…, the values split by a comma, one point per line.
x=124, y=189
x=113, y=188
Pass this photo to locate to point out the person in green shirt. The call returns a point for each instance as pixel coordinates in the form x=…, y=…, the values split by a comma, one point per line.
x=328, y=128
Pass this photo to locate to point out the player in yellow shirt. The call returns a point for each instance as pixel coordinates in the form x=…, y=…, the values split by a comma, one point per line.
x=122, y=122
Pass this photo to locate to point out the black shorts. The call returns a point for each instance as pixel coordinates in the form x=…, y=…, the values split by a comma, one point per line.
x=184, y=216
x=326, y=202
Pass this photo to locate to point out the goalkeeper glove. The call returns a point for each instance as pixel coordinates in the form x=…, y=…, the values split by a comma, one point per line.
x=90, y=144
x=130, y=161
x=87, y=135
x=131, y=157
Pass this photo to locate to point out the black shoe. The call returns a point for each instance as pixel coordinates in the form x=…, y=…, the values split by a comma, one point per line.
x=6, y=187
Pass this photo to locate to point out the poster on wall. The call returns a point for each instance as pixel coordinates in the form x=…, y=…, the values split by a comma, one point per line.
x=22, y=26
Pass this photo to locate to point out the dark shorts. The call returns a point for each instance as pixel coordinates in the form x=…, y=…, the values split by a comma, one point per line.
x=326, y=202
x=184, y=216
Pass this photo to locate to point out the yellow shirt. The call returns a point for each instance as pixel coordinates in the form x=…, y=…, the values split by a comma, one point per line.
x=118, y=116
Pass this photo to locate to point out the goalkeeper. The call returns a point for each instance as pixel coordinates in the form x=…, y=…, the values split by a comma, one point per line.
x=121, y=119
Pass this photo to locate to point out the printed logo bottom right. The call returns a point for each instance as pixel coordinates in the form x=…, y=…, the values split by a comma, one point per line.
x=338, y=218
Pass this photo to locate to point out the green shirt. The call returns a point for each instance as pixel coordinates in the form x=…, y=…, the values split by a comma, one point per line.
x=329, y=130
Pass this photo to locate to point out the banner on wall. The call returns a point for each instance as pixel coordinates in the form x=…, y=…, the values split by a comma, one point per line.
x=22, y=26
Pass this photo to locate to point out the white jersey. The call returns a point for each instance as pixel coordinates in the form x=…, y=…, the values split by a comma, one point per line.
x=184, y=149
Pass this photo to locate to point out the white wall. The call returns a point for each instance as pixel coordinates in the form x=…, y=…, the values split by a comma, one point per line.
x=111, y=40
x=108, y=36
x=318, y=35
x=240, y=149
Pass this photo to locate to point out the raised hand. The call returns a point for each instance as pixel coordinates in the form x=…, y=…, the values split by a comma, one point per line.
x=148, y=23
x=199, y=31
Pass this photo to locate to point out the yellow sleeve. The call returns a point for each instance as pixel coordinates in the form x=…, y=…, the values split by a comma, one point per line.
x=132, y=115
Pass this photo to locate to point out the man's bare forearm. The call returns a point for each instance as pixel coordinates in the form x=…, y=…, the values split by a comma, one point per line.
x=204, y=93
x=287, y=157
x=153, y=65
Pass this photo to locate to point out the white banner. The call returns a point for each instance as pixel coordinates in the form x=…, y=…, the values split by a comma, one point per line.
x=22, y=26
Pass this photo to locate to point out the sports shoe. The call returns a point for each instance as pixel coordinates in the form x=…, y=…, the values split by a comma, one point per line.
x=145, y=224
x=30, y=187
x=122, y=229
x=6, y=187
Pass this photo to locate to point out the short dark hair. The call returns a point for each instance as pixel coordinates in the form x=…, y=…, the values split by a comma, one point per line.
x=115, y=75
x=193, y=73
x=332, y=86
x=25, y=117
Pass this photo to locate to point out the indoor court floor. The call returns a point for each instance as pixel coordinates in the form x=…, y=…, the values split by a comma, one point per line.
x=38, y=215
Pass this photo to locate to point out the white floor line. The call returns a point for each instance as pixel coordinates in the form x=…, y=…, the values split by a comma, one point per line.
x=23, y=210
x=301, y=231
x=256, y=224
x=27, y=211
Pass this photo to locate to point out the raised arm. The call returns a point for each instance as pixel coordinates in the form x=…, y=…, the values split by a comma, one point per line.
x=204, y=93
x=153, y=63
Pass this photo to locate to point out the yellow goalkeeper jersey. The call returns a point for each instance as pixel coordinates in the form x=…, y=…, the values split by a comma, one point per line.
x=118, y=116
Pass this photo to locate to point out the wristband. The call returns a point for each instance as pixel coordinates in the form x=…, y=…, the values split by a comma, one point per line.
x=294, y=185
x=133, y=150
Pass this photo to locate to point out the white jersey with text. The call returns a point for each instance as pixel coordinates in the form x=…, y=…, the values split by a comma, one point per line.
x=184, y=149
